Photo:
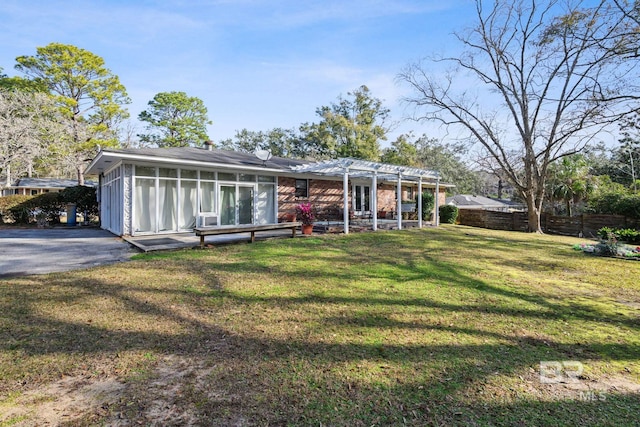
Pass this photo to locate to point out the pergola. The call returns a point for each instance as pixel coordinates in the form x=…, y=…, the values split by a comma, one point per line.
x=356, y=168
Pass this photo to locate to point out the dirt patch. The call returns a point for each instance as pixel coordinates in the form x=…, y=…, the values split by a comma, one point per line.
x=157, y=399
x=63, y=401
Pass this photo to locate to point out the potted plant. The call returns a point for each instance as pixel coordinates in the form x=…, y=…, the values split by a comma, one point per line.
x=304, y=214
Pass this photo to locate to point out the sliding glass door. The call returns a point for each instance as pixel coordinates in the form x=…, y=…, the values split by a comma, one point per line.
x=236, y=204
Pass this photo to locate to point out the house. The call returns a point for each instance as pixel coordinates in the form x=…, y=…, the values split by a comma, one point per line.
x=466, y=201
x=167, y=190
x=35, y=186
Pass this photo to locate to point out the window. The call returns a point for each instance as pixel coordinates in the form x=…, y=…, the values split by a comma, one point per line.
x=410, y=195
x=208, y=175
x=302, y=188
x=226, y=176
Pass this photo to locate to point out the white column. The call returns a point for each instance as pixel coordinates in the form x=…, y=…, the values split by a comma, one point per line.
x=399, y=201
x=374, y=200
x=420, y=202
x=436, y=214
x=345, y=189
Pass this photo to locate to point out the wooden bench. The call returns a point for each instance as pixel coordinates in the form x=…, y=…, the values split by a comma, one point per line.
x=249, y=228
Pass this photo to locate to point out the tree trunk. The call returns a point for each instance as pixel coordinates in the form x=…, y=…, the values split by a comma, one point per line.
x=499, y=188
x=533, y=214
x=80, y=171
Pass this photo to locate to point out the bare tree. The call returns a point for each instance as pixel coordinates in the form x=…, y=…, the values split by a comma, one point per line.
x=546, y=78
x=28, y=122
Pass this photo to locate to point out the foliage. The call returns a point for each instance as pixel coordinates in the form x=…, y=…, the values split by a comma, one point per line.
x=348, y=128
x=448, y=214
x=21, y=209
x=543, y=85
x=175, y=119
x=403, y=151
x=304, y=213
x=616, y=203
x=89, y=95
x=7, y=203
x=29, y=124
x=431, y=154
x=428, y=202
x=84, y=197
x=569, y=181
x=628, y=235
x=278, y=141
x=46, y=205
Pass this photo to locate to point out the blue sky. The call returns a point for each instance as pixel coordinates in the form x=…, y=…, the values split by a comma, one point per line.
x=256, y=64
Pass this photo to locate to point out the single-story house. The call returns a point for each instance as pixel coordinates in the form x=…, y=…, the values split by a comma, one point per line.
x=35, y=186
x=467, y=201
x=167, y=190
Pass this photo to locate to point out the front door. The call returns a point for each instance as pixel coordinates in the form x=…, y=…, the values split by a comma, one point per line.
x=362, y=199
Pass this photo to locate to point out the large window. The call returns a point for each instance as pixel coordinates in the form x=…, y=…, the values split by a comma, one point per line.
x=170, y=200
x=302, y=188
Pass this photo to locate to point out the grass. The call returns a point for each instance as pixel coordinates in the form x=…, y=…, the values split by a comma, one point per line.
x=440, y=326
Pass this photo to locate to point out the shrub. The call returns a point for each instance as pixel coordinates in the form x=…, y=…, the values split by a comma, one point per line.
x=628, y=235
x=616, y=204
x=428, y=201
x=84, y=198
x=7, y=206
x=448, y=214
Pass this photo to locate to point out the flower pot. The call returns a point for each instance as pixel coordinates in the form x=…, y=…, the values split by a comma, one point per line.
x=307, y=228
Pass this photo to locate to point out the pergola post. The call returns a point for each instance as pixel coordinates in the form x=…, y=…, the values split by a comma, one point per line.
x=345, y=189
x=374, y=200
x=420, y=202
x=436, y=214
x=399, y=201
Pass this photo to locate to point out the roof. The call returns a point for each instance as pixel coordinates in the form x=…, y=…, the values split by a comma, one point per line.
x=49, y=183
x=226, y=159
x=191, y=156
x=478, y=202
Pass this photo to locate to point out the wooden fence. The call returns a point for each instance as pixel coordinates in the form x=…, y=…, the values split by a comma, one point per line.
x=586, y=225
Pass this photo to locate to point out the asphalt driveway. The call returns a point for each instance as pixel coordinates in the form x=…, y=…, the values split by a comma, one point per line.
x=38, y=251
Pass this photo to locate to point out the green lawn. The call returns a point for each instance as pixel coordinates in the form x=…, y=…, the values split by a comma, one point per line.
x=440, y=326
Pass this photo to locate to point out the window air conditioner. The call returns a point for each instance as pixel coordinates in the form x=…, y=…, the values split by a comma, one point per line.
x=207, y=220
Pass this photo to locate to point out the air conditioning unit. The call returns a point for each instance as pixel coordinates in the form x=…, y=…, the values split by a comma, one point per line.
x=208, y=220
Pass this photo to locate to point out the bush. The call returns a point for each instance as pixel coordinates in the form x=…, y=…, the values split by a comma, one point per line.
x=84, y=198
x=448, y=214
x=46, y=205
x=7, y=206
x=616, y=204
x=428, y=202
x=628, y=235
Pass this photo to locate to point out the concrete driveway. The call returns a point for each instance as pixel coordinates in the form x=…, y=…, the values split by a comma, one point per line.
x=38, y=251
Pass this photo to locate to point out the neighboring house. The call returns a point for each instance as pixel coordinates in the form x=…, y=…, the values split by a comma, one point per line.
x=167, y=190
x=466, y=201
x=35, y=186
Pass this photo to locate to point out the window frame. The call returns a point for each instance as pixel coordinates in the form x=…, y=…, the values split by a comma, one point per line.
x=298, y=190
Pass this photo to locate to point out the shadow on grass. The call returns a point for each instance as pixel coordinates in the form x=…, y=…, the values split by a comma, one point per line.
x=295, y=380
